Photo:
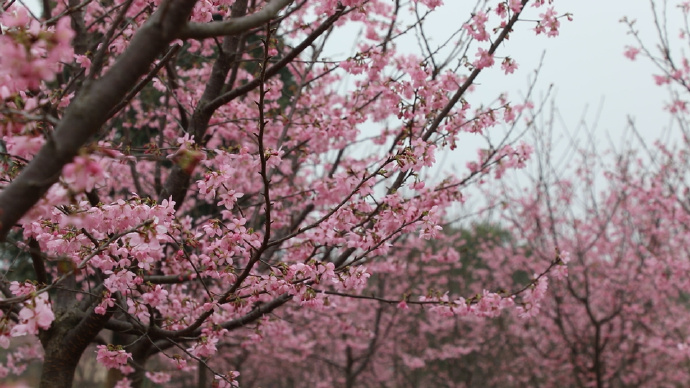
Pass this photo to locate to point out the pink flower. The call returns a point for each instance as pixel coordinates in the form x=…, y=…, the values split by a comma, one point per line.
x=412, y=362
x=431, y=4
x=509, y=65
x=531, y=301
x=661, y=79
x=105, y=303
x=205, y=347
x=83, y=61
x=4, y=341
x=112, y=356
x=30, y=53
x=20, y=289
x=158, y=377
x=631, y=52
x=15, y=17
x=36, y=314
x=123, y=383
x=548, y=24
x=355, y=279
x=515, y=5
x=501, y=10
x=477, y=28
x=227, y=381
x=24, y=146
x=120, y=281
x=156, y=296
x=560, y=271
x=677, y=106
x=83, y=173
x=180, y=363
x=491, y=304
x=485, y=59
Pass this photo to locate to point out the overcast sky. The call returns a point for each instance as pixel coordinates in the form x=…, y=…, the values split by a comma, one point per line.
x=591, y=78
x=587, y=67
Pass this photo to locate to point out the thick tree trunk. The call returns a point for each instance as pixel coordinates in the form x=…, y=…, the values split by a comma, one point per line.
x=58, y=368
x=64, y=343
x=61, y=356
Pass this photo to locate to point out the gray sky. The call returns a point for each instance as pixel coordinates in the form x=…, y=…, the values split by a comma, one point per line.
x=587, y=67
x=592, y=79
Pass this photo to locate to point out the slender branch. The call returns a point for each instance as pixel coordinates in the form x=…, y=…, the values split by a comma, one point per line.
x=278, y=66
x=37, y=261
x=99, y=58
x=470, y=80
x=143, y=82
x=250, y=317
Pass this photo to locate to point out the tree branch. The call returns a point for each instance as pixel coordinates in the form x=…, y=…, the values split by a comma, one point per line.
x=233, y=26
x=89, y=111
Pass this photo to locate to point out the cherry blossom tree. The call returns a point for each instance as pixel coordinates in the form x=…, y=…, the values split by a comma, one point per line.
x=196, y=184
x=374, y=341
x=619, y=218
x=618, y=318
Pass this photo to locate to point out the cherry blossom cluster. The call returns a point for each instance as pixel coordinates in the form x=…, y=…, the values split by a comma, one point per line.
x=35, y=315
x=488, y=304
x=18, y=359
x=675, y=70
x=112, y=356
x=500, y=161
x=31, y=53
x=477, y=28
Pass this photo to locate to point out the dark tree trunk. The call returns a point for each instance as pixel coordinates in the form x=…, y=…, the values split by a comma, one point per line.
x=59, y=365
x=64, y=343
x=140, y=354
x=202, y=380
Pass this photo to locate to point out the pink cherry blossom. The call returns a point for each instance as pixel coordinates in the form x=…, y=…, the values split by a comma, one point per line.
x=112, y=357
x=509, y=65
x=484, y=59
x=631, y=52
x=34, y=316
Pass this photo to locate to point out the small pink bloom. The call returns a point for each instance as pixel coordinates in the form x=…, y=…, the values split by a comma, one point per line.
x=631, y=52
x=112, y=356
x=83, y=61
x=509, y=65
x=485, y=59
x=36, y=314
